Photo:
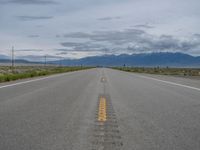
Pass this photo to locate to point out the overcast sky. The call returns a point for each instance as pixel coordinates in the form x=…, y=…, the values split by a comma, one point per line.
x=80, y=28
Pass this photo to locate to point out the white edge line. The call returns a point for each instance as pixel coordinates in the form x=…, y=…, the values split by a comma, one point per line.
x=24, y=82
x=172, y=83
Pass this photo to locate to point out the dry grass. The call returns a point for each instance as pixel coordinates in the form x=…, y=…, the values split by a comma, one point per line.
x=163, y=71
x=20, y=72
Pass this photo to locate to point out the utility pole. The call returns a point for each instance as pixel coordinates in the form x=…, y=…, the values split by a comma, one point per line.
x=13, y=57
x=60, y=62
x=45, y=60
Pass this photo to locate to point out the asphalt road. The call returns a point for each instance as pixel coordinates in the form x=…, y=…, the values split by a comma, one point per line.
x=144, y=112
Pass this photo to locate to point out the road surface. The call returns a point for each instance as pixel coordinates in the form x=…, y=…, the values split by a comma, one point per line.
x=100, y=109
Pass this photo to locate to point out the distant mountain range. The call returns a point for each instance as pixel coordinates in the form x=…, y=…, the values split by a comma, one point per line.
x=3, y=57
x=146, y=60
x=7, y=60
x=16, y=61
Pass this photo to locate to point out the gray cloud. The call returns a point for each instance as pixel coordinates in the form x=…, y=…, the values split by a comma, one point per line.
x=114, y=37
x=24, y=2
x=132, y=40
x=39, y=26
x=31, y=18
x=164, y=43
x=71, y=44
x=197, y=35
x=109, y=18
x=86, y=46
x=77, y=35
x=36, y=58
x=144, y=26
x=62, y=53
x=58, y=36
x=33, y=36
x=29, y=50
x=100, y=24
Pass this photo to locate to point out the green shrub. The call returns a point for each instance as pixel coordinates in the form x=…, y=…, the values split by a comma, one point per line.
x=22, y=72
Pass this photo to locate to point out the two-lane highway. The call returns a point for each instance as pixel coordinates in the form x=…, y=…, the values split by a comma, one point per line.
x=139, y=112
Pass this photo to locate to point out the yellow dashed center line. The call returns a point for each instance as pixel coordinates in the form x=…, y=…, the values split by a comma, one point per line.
x=102, y=109
x=103, y=79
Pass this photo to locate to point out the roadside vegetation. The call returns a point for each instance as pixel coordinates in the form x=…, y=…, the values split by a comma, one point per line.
x=8, y=73
x=163, y=71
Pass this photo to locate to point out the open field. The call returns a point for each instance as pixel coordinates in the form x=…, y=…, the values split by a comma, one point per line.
x=8, y=73
x=163, y=71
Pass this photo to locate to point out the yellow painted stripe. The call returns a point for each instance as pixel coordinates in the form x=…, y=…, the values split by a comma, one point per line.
x=102, y=109
x=103, y=79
